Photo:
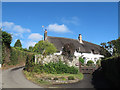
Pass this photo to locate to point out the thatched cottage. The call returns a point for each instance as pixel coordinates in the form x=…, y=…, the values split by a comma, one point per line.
x=87, y=50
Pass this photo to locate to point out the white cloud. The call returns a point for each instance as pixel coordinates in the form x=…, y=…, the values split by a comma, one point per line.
x=35, y=36
x=58, y=28
x=10, y=26
x=19, y=29
x=30, y=43
x=71, y=20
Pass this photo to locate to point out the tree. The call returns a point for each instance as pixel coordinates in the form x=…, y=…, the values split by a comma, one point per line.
x=5, y=41
x=6, y=38
x=44, y=47
x=103, y=44
x=105, y=52
x=68, y=50
x=18, y=44
x=112, y=47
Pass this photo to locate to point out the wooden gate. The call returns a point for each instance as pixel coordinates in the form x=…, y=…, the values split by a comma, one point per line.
x=87, y=69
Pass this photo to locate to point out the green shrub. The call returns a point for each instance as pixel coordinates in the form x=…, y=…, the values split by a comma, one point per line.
x=30, y=65
x=81, y=60
x=55, y=68
x=90, y=62
x=71, y=78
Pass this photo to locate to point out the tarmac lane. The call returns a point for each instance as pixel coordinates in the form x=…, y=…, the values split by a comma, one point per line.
x=14, y=78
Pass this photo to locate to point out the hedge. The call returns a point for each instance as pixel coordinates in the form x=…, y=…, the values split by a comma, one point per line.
x=17, y=56
x=14, y=56
x=111, y=70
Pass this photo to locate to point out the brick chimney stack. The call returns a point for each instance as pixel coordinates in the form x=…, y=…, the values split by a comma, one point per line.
x=45, y=35
x=80, y=38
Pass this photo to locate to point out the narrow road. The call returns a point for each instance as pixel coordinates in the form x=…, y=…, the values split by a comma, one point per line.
x=14, y=78
x=85, y=83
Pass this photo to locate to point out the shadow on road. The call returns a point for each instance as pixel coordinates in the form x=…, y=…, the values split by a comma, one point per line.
x=99, y=80
x=17, y=68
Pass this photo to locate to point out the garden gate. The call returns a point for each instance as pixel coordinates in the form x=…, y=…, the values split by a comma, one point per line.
x=87, y=69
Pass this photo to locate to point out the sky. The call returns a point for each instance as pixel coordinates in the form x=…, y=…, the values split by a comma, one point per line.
x=96, y=21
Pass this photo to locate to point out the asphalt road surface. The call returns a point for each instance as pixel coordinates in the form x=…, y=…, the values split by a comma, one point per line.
x=85, y=83
x=14, y=78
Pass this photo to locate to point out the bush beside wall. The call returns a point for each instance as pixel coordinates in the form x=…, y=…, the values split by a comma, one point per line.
x=29, y=66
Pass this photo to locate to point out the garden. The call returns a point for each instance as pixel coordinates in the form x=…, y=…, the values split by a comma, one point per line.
x=51, y=73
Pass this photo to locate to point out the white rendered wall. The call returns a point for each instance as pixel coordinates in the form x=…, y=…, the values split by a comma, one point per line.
x=86, y=56
x=89, y=56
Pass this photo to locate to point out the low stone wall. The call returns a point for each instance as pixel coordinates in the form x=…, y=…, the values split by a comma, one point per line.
x=54, y=58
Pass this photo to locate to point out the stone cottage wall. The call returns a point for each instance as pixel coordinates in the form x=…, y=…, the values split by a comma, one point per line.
x=54, y=58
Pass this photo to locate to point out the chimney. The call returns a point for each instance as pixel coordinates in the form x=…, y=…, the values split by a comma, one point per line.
x=45, y=35
x=80, y=38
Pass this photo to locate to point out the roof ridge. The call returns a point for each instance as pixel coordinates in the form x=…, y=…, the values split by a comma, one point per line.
x=91, y=43
x=63, y=38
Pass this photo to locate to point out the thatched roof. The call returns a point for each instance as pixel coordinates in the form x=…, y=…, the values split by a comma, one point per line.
x=86, y=47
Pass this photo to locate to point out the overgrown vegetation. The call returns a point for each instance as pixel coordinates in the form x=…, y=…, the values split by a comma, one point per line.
x=12, y=55
x=6, y=41
x=53, y=68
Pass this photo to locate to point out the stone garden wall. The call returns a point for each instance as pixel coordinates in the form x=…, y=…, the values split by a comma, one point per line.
x=54, y=58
